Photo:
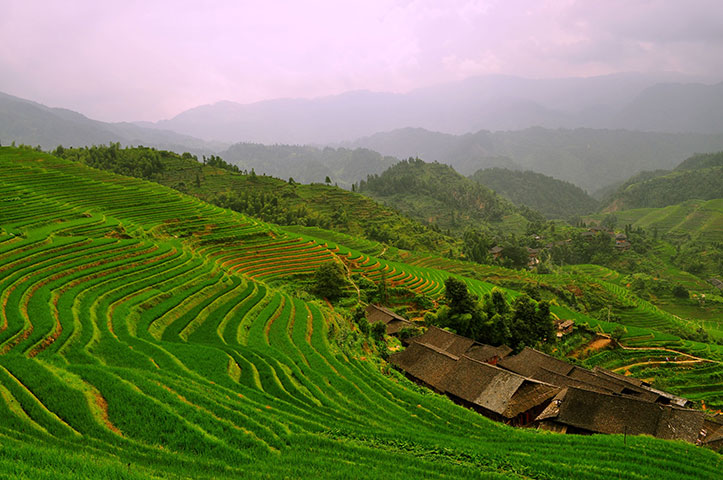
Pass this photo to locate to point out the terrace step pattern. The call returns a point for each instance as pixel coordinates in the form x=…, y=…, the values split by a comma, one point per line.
x=141, y=326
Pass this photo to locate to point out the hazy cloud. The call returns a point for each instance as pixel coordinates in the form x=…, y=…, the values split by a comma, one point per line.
x=128, y=60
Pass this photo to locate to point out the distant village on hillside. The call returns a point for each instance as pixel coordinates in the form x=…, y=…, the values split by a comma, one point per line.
x=622, y=243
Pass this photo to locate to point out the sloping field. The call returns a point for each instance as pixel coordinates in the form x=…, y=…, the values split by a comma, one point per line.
x=699, y=219
x=140, y=338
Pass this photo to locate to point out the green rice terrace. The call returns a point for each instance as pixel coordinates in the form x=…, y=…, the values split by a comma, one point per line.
x=147, y=334
x=699, y=219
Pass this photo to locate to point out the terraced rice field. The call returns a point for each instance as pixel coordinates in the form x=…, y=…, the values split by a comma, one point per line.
x=698, y=380
x=141, y=337
x=698, y=218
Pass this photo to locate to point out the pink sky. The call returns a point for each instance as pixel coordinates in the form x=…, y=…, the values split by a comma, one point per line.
x=148, y=60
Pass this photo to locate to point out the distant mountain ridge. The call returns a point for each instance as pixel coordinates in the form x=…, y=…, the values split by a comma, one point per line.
x=30, y=123
x=588, y=158
x=675, y=108
x=494, y=102
x=307, y=164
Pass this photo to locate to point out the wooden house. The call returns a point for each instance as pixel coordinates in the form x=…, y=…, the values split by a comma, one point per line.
x=564, y=328
x=496, y=252
x=714, y=440
x=487, y=353
x=539, y=366
x=496, y=393
x=576, y=410
x=713, y=432
x=394, y=322
x=425, y=364
x=663, y=397
x=458, y=345
x=534, y=388
x=450, y=342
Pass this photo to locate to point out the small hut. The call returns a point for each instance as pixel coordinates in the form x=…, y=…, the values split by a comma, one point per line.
x=395, y=323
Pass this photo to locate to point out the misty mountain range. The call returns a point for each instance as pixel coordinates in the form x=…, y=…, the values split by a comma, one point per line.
x=589, y=158
x=495, y=103
x=31, y=123
x=576, y=129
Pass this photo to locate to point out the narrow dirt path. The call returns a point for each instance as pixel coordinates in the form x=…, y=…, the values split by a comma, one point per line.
x=676, y=352
x=658, y=362
x=347, y=269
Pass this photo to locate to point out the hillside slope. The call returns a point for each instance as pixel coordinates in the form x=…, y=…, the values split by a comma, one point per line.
x=435, y=193
x=141, y=337
x=699, y=177
x=270, y=199
x=701, y=160
x=670, y=189
x=696, y=219
x=549, y=196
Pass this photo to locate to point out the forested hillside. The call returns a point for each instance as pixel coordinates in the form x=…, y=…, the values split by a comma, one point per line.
x=436, y=194
x=552, y=197
x=289, y=202
x=702, y=160
x=700, y=177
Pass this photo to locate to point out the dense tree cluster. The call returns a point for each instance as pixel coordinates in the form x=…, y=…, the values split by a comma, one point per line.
x=699, y=258
x=329, y=281
x=493, y=320
x=476, y=246
x=266, y=206
x=596, y=248
x=139, y=161
x=218, y=162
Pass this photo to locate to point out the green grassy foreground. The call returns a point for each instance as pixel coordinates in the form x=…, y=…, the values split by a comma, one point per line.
x=142, y=336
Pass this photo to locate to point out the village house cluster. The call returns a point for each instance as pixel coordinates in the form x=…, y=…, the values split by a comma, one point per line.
x=532, y=389
x=622, y=243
